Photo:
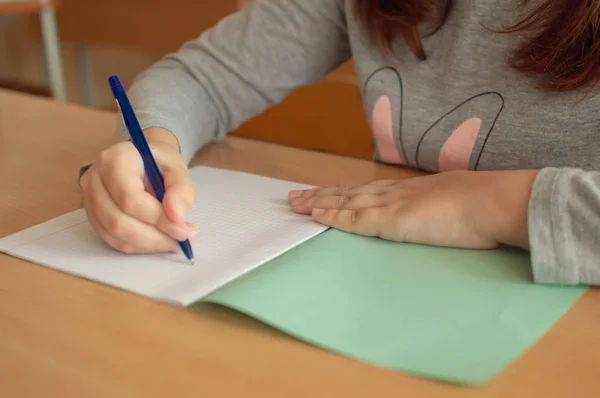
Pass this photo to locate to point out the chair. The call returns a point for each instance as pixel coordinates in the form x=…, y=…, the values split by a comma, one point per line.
x=51, y=44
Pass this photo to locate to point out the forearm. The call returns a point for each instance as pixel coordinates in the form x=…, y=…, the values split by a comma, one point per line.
x=166, y=98
x=237, y=69
x=564, y=226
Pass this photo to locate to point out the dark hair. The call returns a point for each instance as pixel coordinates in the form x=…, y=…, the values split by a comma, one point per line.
x=562, y=46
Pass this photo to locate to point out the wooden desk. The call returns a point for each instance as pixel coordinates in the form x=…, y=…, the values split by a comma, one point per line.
x=62, y=336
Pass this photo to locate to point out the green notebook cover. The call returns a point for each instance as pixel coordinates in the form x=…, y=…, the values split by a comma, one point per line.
x=451, y=314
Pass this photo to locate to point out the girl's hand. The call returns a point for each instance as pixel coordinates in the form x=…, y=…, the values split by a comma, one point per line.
x=469, y=209
x=120, y=203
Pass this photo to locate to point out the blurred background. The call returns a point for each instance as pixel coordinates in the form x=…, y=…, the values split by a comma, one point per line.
x=66, y=49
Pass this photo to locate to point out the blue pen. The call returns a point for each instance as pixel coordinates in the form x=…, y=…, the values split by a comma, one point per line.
x=139, y=141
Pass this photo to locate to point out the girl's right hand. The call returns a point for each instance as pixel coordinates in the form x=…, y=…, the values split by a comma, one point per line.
x=120, y=203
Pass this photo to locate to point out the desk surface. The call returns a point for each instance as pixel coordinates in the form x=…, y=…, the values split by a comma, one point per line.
x=64, y=336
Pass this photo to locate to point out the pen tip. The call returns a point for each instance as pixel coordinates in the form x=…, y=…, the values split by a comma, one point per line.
x=193, y=261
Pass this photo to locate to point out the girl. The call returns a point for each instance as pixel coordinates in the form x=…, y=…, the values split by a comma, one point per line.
x=493, y=97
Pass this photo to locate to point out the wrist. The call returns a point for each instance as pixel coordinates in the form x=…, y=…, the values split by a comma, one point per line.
x=511, y=196
x=163, y=137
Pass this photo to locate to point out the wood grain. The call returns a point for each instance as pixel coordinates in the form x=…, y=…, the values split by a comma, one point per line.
x=62, y=336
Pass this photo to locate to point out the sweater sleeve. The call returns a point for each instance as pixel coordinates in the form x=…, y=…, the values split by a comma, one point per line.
x=249, y=61
x=564, y=226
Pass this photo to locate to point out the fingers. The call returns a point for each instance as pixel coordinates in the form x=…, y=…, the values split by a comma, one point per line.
x=127, y=185
x=120, y=230
x=122, y=206
x=192, y=230
x=336, y=190
x=180, y=194
x=368, y=221
x=100, y=230
x=351, y=197
x=129, y=193
x=349, y=202
x=374, y=187
x=361, y=209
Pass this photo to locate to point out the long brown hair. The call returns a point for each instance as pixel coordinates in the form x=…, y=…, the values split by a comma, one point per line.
x=562, y=46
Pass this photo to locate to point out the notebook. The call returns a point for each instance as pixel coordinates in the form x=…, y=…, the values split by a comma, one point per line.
x=455, y=315
x=243, y=220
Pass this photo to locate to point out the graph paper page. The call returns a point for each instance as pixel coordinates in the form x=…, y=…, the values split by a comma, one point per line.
x=244, y=221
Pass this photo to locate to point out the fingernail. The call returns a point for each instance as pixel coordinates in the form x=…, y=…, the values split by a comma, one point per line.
x=297, y=201
x=191, y=227
x=317, y=212
x=176, y=231
x=295, y=194
x=193, y=234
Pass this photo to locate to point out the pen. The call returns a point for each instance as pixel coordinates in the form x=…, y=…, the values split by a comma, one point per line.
x=139, y=141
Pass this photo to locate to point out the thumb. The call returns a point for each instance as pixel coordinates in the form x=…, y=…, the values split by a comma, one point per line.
x=180, y=194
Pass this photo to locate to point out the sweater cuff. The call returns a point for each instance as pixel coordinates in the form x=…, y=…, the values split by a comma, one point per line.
x=549, y=245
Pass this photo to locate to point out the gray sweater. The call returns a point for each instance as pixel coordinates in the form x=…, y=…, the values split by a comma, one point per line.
x=462, y=108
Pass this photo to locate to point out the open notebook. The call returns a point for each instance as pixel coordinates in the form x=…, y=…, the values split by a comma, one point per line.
x=450, y=314
x=244, y=220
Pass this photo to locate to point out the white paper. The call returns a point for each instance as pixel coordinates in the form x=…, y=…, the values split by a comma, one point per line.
x=244, y=220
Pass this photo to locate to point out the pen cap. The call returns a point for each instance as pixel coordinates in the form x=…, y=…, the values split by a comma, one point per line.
x=115, y=84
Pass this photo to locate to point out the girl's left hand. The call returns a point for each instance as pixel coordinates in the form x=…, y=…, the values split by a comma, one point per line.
x=470, y=209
